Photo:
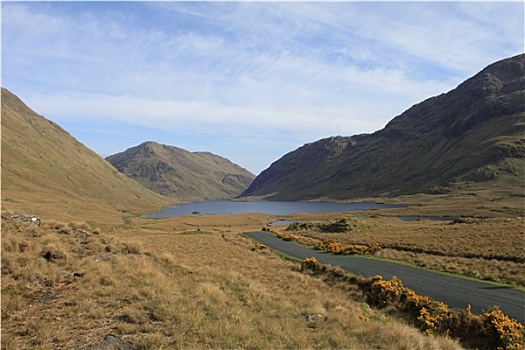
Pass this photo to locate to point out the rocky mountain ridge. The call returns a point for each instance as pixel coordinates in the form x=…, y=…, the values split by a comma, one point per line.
x=474, y=133
x=180, y=174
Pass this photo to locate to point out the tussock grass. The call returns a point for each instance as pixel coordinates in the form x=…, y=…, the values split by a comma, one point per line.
x=491, y=249
x=160, y=289
x=491, y=330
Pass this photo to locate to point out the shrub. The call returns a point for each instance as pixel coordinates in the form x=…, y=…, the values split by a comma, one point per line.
x=330, y=247
x=349, y=249
x=492, y=330
x=258, y=246
x=311, y=264
x=288, y=237
x=501, y=331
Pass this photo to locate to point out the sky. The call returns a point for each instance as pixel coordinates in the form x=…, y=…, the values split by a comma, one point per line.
x=249, y=81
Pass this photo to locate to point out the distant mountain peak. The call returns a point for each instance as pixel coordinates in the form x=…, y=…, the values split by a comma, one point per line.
x=183, y=175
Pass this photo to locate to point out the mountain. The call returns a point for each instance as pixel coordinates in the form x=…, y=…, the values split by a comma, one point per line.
x=183, y=175
x=474, y=133
x=45, y=171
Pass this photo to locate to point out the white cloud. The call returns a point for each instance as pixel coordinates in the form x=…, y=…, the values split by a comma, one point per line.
x=165, y=114
x=312, y=69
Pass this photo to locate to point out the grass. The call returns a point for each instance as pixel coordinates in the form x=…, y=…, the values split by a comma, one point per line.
x=160, y=288
x=196, y=282
x=94, y=267
x=490, y=249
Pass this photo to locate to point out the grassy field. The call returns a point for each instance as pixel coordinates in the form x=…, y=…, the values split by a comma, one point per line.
x=491, y=249
x=168, y=284
x=197, y=282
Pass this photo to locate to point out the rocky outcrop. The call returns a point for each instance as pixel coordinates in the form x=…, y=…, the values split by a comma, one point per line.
x=32, y=220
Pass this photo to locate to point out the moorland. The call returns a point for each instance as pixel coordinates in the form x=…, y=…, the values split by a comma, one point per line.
x=96, y=274
x=197, y=282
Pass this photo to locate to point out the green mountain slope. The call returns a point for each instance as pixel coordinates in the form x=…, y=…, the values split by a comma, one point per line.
x=183, y=175
x=474, y=133
x=46, y=171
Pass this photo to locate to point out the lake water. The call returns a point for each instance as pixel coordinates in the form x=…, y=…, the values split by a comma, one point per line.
x=271, y=208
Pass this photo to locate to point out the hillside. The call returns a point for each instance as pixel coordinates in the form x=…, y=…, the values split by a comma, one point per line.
x=474, y=134
x=183, y=175
x=45, y=171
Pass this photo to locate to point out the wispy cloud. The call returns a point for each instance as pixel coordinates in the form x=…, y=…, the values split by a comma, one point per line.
x=306, y=70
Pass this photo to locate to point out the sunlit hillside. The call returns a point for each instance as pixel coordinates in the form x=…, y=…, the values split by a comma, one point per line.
x=47, y=172
x=85, y=280
x=180, y=174
x=468, y=140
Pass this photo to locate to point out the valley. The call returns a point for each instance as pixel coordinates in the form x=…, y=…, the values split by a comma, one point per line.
x=198, y=281
x=95, y=270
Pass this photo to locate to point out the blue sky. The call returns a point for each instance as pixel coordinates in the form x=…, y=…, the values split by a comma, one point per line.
x=250, y=81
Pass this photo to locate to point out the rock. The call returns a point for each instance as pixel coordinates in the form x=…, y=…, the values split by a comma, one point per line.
x=28, y=219
x=112, y=342
x=47, y=296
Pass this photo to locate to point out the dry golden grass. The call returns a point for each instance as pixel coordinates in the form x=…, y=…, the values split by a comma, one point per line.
x=491, y=249
x=168, y=285
x=196, y=282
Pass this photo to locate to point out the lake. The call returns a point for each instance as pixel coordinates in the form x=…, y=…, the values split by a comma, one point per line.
x=271, y=208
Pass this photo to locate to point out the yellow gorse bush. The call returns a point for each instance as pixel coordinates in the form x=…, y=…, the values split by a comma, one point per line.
x=330, y=246
x=491, y=330
x=509, y=333
x=348, y=249
x=311, y=264
x=258, y=246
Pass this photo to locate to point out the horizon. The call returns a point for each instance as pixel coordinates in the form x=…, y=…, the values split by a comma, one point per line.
x=246, y=81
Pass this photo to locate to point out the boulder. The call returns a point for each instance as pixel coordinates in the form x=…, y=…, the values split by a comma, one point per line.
x=28, y=219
